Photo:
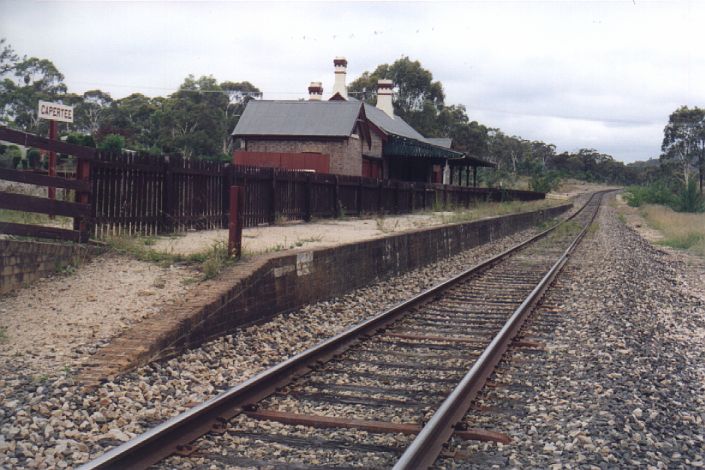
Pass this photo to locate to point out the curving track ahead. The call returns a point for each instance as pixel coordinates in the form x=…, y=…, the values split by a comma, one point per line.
x=387, y=392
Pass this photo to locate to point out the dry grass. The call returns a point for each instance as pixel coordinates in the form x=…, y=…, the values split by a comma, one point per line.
x=573, y=186
x=483, y=210
x=680, y=230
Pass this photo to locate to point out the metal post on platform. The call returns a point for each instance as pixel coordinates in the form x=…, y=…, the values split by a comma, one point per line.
x=237, y=198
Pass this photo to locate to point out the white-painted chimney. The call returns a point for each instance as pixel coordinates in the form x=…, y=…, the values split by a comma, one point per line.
x=384, y=97
x=315, y=91
x=341, y=70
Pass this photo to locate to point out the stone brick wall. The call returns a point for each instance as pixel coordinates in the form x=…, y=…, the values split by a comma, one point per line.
x=376, y=149
x=345, y=154
x=258, y=289
x=23, y=262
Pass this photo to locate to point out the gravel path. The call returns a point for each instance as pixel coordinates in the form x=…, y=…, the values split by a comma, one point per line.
x=621, y=383
x=51, y=422
x=59, y=321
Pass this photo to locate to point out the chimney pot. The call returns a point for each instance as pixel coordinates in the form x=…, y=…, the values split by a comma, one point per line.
x=341, y=70
x=315, y=91
x=384, y=96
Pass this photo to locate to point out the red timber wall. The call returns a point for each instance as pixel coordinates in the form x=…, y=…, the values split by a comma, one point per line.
x=345, y=155
x=320, y=163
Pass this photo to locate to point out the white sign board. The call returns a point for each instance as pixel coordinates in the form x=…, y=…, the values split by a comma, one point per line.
x=55, y=111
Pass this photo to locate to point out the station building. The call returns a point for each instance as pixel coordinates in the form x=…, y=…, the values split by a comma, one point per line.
x=344, y=136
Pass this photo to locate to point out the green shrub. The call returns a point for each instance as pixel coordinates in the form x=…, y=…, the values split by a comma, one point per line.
x=112, y=143
x=689, y=199
x=544, y=182
x=6, y=162
x=80, y=139
x=34, y=158
x=656, y=193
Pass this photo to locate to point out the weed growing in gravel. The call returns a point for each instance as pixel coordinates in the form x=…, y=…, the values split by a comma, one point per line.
x=3, y=334
x=135, y=247
x=301, y=241
x=211, y=262
x=546, y=224
x=216, y=260
x=64, y=269
x=569, y=227
x=593, y=228
x=382, y=226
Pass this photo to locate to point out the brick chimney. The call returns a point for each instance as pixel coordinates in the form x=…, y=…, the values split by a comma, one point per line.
x=315, y=91
x=341, y=70
x=384, y=97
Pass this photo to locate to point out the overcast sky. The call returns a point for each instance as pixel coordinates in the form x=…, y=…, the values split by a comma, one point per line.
x=604, y=75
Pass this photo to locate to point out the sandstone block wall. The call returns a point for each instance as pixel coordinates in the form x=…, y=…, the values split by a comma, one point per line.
x=23, y=262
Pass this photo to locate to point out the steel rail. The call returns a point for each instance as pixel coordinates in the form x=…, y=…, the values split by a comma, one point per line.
x=425, y=448
x=172, y=435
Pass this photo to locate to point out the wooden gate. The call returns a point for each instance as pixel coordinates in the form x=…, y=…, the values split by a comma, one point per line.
x=79, y=209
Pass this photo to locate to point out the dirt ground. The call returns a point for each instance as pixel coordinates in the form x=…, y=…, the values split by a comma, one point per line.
x=60, y=321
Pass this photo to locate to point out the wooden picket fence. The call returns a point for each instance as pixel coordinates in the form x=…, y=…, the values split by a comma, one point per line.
x=141, y=194
x=144, y=194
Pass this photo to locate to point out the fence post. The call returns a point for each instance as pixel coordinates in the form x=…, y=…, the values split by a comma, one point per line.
x=358, y=200
x=273, y=211
x=337, y=206
x=308, y=194
x=235, y=221
x=412, y=196
x=225, y=182
x=379, y=197
x=83, y=172
x=167, y=206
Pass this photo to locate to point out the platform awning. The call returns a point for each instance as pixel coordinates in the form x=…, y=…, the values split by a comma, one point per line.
x=467, y=160
x=397, y=146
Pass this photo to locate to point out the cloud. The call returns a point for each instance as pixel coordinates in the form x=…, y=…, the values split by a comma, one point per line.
x=577, y=74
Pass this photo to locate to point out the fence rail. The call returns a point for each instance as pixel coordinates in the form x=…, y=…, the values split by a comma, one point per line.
x=80, y=209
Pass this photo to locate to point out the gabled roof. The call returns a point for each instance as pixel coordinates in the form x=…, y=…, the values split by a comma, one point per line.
x=396, y=126
x=298, y=118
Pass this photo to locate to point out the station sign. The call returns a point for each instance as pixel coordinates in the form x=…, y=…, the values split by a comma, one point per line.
x=55, y=111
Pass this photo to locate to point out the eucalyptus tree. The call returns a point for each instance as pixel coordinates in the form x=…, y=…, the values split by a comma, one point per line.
x=27, y=82
x=684, y=142
x=417, y=96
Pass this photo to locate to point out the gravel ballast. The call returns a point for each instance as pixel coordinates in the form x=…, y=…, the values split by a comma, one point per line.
x=50, y=421
x=621, y=382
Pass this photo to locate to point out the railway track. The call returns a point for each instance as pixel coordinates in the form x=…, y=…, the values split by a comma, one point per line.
x=388, y=392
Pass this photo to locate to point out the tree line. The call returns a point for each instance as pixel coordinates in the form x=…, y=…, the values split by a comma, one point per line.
x=196, y=121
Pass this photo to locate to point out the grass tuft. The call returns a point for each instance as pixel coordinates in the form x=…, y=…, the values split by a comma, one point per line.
x=210, y=262
x=680, y=230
